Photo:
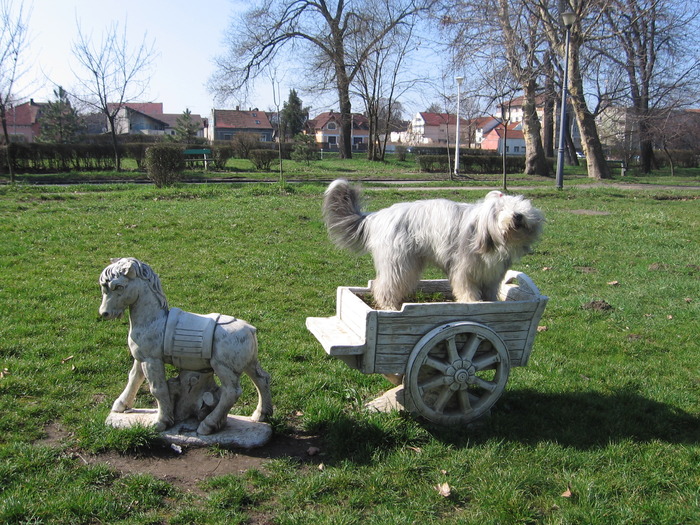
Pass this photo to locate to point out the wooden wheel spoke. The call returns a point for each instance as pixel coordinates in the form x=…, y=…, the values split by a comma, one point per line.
x=486, y=385
x=437, y=365
x=442, y=399
x=484, y=361
x=470, y=348
x=464, y=402
x=452, y=353
x=433, y=383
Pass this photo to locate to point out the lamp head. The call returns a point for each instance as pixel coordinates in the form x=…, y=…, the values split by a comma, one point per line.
x=459, y=80
x=568, y=18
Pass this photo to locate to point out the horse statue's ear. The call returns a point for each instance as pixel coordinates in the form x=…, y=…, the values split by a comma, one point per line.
x=131, y=270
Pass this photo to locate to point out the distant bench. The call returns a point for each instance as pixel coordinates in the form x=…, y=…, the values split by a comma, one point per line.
x=195, y=155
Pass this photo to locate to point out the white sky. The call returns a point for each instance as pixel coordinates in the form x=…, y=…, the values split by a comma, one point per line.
x=187, y=35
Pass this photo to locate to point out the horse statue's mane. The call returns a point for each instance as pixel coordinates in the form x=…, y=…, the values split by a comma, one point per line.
x=143, y=271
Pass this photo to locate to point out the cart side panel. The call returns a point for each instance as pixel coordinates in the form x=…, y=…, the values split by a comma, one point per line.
x=398, y=332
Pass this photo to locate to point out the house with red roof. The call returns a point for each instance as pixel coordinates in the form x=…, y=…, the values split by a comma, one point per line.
x=513, y=140
x=224, y=124
x=23, y=121
x=326, y=129
x=436, y=128
x=147, y=118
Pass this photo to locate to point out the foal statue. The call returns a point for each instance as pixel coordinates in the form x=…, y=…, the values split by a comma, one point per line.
x=199, y=346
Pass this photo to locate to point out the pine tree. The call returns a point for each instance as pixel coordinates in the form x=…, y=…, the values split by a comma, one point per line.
x=293, y=116
x=186, y=128
x=60, y=122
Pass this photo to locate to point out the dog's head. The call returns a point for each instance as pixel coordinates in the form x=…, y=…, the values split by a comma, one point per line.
x=507, y=222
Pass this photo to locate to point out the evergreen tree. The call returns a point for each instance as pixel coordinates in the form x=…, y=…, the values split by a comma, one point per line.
x=60, y=122
x=186, y=128
x=293, y=116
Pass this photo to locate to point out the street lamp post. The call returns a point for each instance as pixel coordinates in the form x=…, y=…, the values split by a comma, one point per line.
x=567, y=19
x=459, y=83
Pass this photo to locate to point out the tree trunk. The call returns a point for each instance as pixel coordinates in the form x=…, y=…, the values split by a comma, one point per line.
x=6, y=134
x=550, y=96
x=345, y=145
x=115, y=144
x=590, y=141
x=535, y=160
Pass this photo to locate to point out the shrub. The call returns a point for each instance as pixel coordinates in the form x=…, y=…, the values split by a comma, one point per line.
x=434, y=163
x=244, y=143
x=221, y=155
x=401, y=152
x=262, y=158
x=164, y=164
x=305, y=148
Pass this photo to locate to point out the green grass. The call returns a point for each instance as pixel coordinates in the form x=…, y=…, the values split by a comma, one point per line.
x=608, y=406
x=358, y=168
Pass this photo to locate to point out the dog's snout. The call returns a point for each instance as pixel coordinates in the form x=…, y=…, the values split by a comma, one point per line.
x=518, y=220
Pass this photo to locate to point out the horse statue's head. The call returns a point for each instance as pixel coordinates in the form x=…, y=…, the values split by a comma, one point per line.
x=120, y=288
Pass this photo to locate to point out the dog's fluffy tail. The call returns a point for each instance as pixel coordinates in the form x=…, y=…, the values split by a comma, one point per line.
x=343, y=215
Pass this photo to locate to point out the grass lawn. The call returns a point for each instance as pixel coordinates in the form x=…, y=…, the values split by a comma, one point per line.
x=601, y=427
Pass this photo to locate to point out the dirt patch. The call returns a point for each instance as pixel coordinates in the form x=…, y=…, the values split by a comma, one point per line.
x=598, y=306
x=188, y=468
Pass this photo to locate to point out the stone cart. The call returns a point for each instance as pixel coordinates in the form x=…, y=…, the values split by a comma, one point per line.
x=451, y=360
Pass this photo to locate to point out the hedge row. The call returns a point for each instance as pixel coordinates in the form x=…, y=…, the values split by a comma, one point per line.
x=480, y=164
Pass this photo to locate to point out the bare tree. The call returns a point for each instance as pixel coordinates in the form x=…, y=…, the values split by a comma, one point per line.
x=585, y=29
x=113, y=74
x=13, y=42
x=500, y=33
x=379, y=86
x=259, y=37
x=659, y=57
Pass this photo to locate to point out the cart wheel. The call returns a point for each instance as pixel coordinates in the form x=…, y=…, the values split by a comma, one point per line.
x=456, y=373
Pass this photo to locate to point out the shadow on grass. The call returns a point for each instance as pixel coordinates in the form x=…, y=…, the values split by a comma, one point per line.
x=582, y=420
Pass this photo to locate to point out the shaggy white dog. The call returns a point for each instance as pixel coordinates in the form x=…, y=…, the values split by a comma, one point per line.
x=474, y=244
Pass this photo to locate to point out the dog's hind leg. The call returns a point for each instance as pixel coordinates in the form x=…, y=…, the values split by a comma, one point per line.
x=395, y=281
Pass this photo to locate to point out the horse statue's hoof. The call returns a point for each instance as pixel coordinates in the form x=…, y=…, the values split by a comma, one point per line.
x=118, y=406
x=205, y=428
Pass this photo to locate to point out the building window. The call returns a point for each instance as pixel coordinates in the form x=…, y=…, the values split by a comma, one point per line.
x=357, y=140
x=257, y=122
x=516, y=149
x=254, y=115
x=331, y=125
x=332, y=140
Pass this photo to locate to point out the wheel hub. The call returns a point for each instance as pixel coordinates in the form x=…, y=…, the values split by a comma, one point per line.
x=460, y=374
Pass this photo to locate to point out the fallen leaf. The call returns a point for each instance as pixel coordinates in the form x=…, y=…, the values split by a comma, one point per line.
x=688, y=300
x=567, y=493
x=443, y=472
x=4, y=373
x=176, y=448
x=443, y=489
x=66, y=359
x=321, y=466
x=542, y=328
x=312, y=451
x=614, y=283
x=416, y=449
x=546, y=268
x=669, y=317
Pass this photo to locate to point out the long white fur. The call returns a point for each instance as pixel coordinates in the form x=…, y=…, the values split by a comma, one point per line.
x=474, y=244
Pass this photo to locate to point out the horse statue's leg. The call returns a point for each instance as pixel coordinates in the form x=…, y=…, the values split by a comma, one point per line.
x=155, y=374
x=261, y=380
x=229, y=393
x=126, y=399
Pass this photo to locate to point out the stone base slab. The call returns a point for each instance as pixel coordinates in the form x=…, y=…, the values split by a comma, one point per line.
x=239, y=432
x=388, y=401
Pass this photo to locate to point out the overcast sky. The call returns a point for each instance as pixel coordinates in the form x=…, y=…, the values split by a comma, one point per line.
x=187, y=36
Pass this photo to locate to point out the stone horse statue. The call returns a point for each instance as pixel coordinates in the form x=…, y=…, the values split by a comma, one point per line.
x=197, y=345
